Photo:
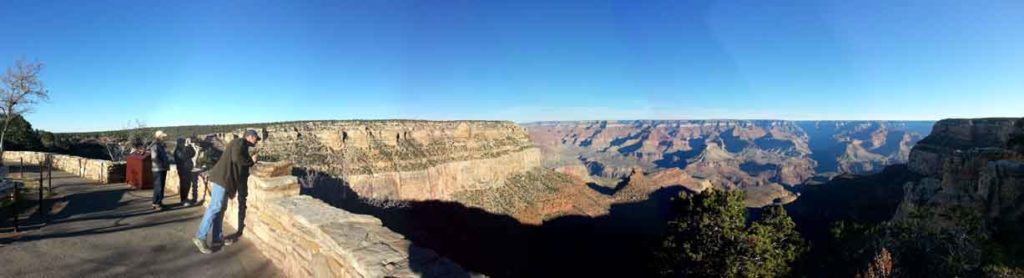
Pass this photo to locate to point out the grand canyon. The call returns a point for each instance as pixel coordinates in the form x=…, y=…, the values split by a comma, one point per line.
x=526, y=138
x=593, y=197
x=537, y=171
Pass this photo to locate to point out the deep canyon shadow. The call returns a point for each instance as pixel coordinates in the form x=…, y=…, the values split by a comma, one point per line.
x=618, y=244
x=860, y=199
x=608, y=191
x=679, y=159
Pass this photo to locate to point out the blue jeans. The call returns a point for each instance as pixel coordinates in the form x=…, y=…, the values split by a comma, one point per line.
x=159, y=179
x=214, y=215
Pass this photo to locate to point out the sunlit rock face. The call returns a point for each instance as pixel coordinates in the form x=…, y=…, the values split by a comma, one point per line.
x=404, y=159
x=861, y=147
x=542, y=170
x=969, y=165
x=761, y=157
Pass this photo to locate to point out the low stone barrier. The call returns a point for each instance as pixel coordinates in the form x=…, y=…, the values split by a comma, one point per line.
x=303, y=236
x=306, y=237
x=104, y=171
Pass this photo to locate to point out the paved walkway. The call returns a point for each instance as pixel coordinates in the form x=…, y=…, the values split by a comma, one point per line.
x=97, y=230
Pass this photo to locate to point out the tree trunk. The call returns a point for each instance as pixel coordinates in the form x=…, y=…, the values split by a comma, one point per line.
x=3, y=133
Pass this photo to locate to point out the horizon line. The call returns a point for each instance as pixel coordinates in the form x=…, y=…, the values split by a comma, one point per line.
x=515, y=122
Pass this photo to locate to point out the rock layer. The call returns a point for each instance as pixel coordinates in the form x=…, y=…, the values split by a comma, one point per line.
x=404, y=159
x=761, y=157
x=788, y=151
x=968, y=166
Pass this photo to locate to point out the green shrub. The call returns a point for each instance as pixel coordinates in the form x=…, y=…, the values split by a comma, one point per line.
x=710, y=238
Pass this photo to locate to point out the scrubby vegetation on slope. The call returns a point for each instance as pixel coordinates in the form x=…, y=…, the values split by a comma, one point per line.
x=537, y=195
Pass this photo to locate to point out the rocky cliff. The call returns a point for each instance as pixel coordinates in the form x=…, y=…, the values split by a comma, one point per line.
x=405, y=159
x=761, y=157
x=860, y=146
x=973, y=166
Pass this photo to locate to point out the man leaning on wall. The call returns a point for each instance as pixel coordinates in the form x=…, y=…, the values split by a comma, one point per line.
x=229, y=174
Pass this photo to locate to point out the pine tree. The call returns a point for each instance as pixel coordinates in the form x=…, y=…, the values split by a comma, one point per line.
x=710, y=239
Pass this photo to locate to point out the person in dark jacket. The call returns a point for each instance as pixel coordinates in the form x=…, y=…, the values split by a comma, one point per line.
x=161, y=162
x=230, y=173
x=183, y=154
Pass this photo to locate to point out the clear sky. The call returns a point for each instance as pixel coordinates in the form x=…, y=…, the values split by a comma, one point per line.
x=196, y=62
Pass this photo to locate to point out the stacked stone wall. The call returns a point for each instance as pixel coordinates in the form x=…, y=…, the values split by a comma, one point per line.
x=104, y=171
x=302, y=236
x=306, y=237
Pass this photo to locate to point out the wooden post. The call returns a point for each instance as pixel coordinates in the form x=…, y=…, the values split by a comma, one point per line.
x=14, y=207
x=40, y=188
x=49, y=175
x=21, y=168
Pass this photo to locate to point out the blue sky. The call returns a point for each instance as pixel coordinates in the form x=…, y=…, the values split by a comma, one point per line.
x=194, y=62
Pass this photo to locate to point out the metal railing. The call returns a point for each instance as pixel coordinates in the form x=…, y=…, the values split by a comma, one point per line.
x=45, y=178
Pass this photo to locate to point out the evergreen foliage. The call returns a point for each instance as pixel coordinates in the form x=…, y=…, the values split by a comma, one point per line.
x=710, y=238
x=20, y=135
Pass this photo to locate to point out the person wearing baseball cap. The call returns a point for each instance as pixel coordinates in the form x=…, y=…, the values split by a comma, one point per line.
x=229, y=174
x=161, y=162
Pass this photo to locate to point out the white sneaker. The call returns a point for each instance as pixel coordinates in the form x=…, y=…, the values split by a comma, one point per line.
x=202, y=246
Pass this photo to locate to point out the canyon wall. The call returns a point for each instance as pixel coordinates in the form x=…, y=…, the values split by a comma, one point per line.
x=970, y=166
x=860, y=147
x=738, y=151
x=405, y=159
x=761, y=157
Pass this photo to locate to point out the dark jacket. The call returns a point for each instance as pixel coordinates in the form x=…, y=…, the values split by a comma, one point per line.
x=158, y=153
x=183, y=155
x=232, y=170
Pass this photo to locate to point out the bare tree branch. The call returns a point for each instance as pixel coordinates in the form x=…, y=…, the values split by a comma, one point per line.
x=20, y=90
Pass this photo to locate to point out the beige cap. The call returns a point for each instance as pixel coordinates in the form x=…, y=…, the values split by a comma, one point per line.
x=159, y=134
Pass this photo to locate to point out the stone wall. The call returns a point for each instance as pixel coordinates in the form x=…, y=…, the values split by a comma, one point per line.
x=303, y=236
x=104, y=171
x=306, y=237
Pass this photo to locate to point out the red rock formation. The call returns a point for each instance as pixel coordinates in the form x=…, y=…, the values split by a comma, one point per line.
x=761, y=155
x=969, y=165
x=880, y=266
